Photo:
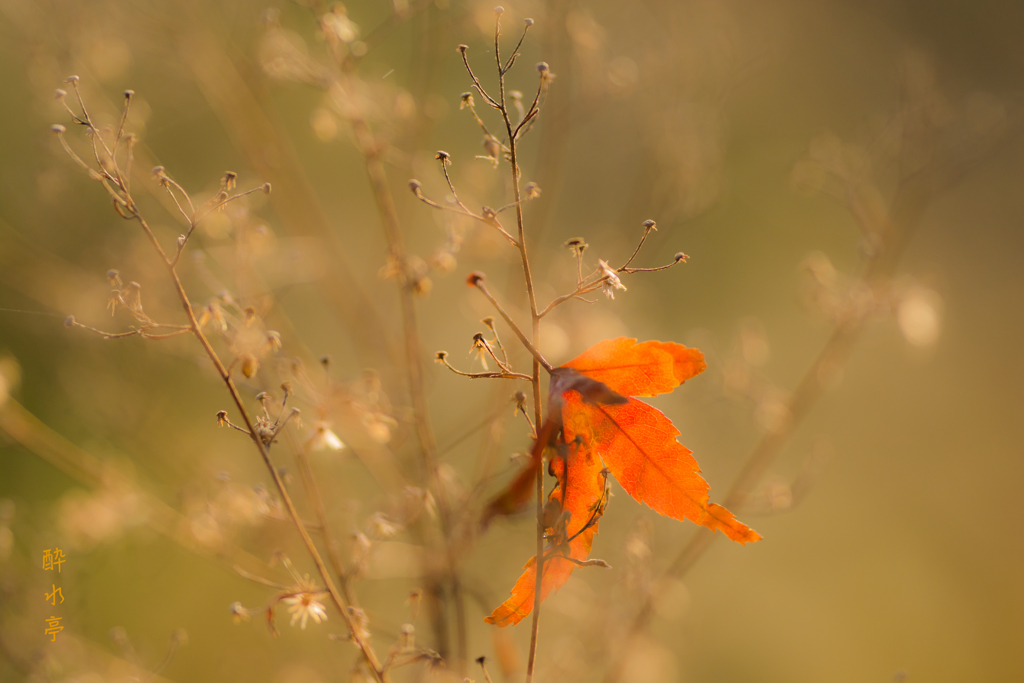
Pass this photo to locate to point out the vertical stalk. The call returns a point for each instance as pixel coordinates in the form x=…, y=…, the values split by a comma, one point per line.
x=370, y=151
x=535, y=333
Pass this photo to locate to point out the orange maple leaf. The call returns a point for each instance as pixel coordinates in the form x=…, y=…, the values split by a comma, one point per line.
x=600, y=421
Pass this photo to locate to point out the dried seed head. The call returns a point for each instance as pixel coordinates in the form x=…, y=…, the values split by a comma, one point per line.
x=60, y=93
x=325, y=361
x=265, y=188
x=542, y=67
x=408, y=638
x=273, y=342
x=58, y=129
x=71, y=79
x=440, y=356
x=128, y=94
x=222, y=418
x=250, y=365
x=69, y=321
x=489, y=214
x=532, y=190
x=114, y=277
x=181, y=240
x=462, y=48
x=680, y=256
x=499, y=10
x=230, y=180
x=489, y=321
x=262, y=396
x=474, y=278
x=416, y=187
x=650, y=225
x=250, y=315
x=443, y=156
x=467, y=100
x=286, y=387
x=577, y=245
x=529, y=22
x=520, y=400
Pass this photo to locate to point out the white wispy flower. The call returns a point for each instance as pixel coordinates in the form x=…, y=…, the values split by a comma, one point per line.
x=324, y=438
x=612, y=281
x=305, y=605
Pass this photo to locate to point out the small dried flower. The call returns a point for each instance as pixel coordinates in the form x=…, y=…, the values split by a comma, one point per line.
x=407, y=639
x=60, y=93
x=441, y=357
x=532, y=190
x=380, y=526
x=650, y=225
x=520, y=399
x=612, y=281
x=443, y=156
x=306, y=605
x=467, y=100
x=58, y=129
x=222, y=418
x=286, y=387
x=416, y=187
x=273, y=341
x=480, y=349
x=474, y=278
x=325, y=439
x=489, y=322
x=680, y=256
x=250, y=365
x=265, y=188
x=360, y=623
x=69, y=321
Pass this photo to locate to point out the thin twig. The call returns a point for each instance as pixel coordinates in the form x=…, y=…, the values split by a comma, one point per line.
x=478, y=282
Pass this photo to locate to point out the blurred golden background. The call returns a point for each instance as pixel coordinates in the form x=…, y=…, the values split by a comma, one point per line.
x=774, y=143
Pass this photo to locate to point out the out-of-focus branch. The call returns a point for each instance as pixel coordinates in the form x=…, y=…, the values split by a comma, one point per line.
x=907, y=209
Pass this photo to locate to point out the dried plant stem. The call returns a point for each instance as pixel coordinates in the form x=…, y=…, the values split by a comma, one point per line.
x=371, y=658
x=370, y=151
x=317, y=502
x=535, y=332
